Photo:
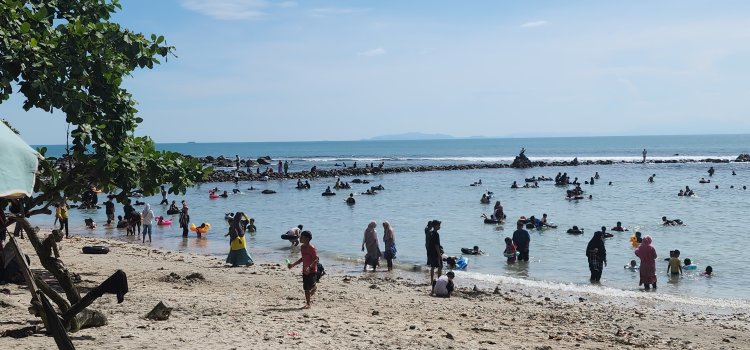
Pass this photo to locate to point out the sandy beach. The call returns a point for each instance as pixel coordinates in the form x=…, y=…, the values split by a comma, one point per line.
x=260, y=307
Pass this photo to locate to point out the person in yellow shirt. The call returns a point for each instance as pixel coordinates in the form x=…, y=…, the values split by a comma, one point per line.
x=61, y=215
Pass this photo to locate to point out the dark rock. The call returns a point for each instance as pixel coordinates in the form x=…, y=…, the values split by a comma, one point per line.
x=160, y=312
x=743, y=158
x=521, y=161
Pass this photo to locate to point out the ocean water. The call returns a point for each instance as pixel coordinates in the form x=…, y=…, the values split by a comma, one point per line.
x=715, y=232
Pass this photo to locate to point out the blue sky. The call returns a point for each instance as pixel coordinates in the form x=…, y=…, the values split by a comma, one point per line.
x=254, y=70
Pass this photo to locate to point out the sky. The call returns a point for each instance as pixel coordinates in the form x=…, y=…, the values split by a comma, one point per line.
x=265, y=70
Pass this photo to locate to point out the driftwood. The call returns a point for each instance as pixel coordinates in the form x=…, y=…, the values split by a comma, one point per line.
x=74, y=315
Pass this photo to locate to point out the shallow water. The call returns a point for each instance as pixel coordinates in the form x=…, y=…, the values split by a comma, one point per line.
x=714, y=233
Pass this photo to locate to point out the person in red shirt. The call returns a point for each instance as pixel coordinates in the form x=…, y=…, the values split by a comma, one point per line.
x=309, y=262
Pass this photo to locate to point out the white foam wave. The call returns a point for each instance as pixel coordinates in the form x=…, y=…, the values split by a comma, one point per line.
x=608, y=292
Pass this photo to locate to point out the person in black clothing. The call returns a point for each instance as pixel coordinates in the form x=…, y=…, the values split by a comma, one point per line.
x=427, y=234
x=164, y=200
x=597, y=256
x=434, y=254
x=109, y=208
x=129, y=211
x=521, y=239
x=184, y=219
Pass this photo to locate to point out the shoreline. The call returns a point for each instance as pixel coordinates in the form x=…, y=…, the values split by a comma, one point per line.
x=259, y=306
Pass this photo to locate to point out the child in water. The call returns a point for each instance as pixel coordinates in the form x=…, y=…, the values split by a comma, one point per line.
x=709, y=271
x=510, y=250
x=675, y=265
x=632, y=266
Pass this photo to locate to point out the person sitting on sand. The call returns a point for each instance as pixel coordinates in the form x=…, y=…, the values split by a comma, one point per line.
x=674, y=222
x=444, y=285
x=309, y=262
x=619, y=227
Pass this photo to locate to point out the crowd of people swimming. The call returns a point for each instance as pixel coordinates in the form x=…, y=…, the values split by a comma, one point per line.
x=141, y=222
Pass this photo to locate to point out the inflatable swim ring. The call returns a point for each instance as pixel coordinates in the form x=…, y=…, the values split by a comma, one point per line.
x=469, y=251
x=199, y=229
x=326, y=194
x=461, y=263
x=491, y=221
x=173, y=212
x=95, y=249
x=164, y=222
x=634, y=242
x=508, y=255
x=690, y=267
x=213, y=196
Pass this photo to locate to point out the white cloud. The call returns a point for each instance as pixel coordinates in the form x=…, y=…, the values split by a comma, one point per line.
x=534, y=24
x=331, y=11
x=227, y=9
x=373, y=52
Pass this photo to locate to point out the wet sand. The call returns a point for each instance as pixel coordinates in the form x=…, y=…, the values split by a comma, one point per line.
x=259, y=307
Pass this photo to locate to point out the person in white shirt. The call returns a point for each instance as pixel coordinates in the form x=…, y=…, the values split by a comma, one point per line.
x=444, y=285
x=147, y=215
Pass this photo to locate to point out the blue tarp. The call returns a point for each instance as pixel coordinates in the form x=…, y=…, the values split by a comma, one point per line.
x=18, y=165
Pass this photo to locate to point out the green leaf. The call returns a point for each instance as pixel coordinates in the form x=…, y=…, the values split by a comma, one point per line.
x=25, y=27
x=33, y=42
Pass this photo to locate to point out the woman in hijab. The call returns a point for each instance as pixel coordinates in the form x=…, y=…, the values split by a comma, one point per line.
x=647, y=253
x=147, y=215
x=370, y=241
x=597, y=255
x=389, y=238
x=237, y=252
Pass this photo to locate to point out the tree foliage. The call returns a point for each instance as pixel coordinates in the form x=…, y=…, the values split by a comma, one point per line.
x=67, y=55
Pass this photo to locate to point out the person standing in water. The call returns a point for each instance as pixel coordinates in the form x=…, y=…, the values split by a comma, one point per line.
x=644, y=155
x=184, y=219
x=389, y=239
x=521, y=239
x=647, y=253
x=597, y=256
x=370, y=241
x=148, y=221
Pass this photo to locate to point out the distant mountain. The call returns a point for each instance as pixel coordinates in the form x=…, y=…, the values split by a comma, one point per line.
x=412, y=136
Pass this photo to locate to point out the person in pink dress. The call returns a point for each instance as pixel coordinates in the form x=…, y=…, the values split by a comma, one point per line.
x=647, y=253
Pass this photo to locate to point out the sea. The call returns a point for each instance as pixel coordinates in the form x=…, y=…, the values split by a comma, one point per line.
x=715, y=230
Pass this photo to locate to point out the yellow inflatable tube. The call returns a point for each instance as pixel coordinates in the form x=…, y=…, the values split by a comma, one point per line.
x=203, y=228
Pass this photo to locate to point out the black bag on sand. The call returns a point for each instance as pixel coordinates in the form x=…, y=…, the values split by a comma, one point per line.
x=321, y=272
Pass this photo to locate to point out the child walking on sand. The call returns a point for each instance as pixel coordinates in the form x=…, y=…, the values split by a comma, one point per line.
x=309, y=262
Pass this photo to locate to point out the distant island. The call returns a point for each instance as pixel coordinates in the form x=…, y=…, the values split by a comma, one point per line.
x=416, y=136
